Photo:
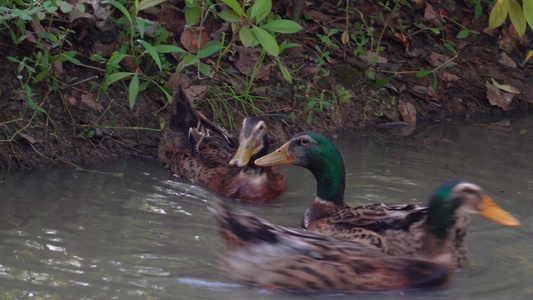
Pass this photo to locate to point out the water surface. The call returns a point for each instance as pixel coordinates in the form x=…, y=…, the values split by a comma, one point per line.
x=67, y=234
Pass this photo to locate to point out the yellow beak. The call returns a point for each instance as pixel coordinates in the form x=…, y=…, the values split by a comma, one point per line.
x=492, y=211
x=278, y=157
x=244, y=153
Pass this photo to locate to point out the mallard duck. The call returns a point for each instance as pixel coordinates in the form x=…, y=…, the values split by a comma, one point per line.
x=392, y=229
x=260, y=253
x=195, y=148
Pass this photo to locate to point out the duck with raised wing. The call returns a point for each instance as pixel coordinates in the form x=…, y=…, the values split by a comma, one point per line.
x=392, y=229
x=195, y=148
x=260, y=253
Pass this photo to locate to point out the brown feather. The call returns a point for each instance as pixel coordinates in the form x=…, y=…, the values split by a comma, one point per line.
x=207, y=162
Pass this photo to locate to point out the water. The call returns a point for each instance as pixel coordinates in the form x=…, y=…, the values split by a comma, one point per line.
x=68, y=234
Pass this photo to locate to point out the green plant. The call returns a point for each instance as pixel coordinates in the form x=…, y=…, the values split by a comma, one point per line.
x=313, y=96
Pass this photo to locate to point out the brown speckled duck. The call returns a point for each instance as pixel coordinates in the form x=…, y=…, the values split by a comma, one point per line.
x=260, y=253
x=196, y=149
x=391, y=229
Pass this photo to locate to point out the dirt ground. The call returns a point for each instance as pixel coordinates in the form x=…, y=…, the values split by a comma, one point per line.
x=488, y=78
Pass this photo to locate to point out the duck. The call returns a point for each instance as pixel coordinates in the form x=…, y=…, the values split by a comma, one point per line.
x=393, y=229
x=196, y=149
x=260, y=253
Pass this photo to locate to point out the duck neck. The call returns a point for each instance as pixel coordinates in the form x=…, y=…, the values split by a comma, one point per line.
x=331, y=182
x=441, y=222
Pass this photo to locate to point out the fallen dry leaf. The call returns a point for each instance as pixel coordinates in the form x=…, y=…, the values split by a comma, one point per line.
x=437, y=59
x=449, y=77
x=87, y=101
x=431, y=15
x=505, y=87
x=196, y=92
x=403, y=39
x=172, y=19
x=190, y=39
x=498, y=97
x=506, y=60
x=373, y=58
x=419, y=91
x=28, y=138
x=247, y=60
x=407, y=111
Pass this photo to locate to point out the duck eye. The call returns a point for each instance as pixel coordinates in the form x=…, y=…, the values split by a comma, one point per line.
x=304, y=142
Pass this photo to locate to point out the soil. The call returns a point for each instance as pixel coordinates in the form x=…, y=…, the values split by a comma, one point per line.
x=76, y=130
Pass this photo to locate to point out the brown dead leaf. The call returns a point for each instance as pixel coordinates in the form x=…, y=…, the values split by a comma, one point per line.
x=430, y=92
x=506, y=60
x=310, y=71
x=71, y=101
x=178, y=79
x=28, y=138
x=437, y=59
x=449, y=77
x=196, y=92
x=190, y=39
x=87, y=101
x=419, y=91
x=129, y=64
x=407, y=111
x=105, y=50
x=318, y=16
x=418, y=3
x=404, y=40
x=172, y=19
x=373, y=58
x=431, y=15
x=247, y=60
x=498, y=97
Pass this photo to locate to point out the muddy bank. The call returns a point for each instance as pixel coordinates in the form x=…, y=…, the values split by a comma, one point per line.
x=73, y=128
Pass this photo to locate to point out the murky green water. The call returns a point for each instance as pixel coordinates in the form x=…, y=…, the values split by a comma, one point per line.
x=74, y=235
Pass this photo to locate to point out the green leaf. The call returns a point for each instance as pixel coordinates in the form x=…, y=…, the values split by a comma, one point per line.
x=149, y=3
x=115, y=59
x=39, y=77
x=168, y=49
x=206, y=70
x=517, y=17
x=153, y=53
x=498, y=14
x=13, y=59
x=450, y=47
x=282, y=26
x=229, y=16
x=210, y=49
x=260, y=9
x=311, y=104
x=190, y=60
x=246, y=36
x=528, y=11
x=478, y=9
x=309, y=118
x=192, y=15
x=463, y=33
x=141, y=24
x=285, y=72
x=133, y=90
x=424, y=73
x=35, y=106
x=116, y=77
x=266, y=40
x=121, y=8
x=234, y=5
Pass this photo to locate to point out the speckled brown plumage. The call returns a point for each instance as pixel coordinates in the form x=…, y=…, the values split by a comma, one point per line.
x=206, y=161
x=260, y=253
x=396, y=229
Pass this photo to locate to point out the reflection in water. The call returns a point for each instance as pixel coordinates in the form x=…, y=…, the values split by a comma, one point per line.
x=69, y=235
